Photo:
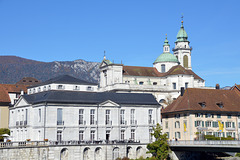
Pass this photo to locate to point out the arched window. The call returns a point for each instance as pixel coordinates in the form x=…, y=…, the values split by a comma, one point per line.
x=116, y=153
x=185, y=61
x=163, y=68
x=64, y=154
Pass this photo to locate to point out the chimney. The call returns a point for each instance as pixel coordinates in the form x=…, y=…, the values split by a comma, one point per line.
x=22, y=92
x=182, y=91
x=217, y=86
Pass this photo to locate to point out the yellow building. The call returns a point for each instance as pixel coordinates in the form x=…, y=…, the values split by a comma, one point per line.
x=199, y=111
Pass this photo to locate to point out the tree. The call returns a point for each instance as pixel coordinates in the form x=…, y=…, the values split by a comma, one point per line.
x=160, y=148
x=4, y=131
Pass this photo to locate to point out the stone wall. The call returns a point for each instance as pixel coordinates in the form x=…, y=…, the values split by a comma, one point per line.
x=74, y=152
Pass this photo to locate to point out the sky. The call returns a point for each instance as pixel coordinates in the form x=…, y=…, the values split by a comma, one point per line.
x=130, y=31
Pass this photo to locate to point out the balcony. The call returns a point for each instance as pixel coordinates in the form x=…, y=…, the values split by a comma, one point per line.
x=123, y=122
x=151, y=122
x=133, y=122
x=108, y=122
x=81, y=122
x=60, y=123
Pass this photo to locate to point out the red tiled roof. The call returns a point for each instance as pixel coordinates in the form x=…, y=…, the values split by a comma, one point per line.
x=10, y=88
x=211, y=97
x=153, y=72
x=14, y=88
x=4, y=97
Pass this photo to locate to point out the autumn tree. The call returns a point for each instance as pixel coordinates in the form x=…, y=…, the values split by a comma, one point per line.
x=159, y=148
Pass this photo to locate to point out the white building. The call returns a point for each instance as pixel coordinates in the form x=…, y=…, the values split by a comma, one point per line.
x=164, y=80
x=58, y=114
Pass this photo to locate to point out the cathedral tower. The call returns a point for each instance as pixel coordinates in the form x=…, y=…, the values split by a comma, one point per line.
x=182, y=49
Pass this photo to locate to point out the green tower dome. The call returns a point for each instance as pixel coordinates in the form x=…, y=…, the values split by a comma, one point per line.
x=182, y=35
x=166, y=57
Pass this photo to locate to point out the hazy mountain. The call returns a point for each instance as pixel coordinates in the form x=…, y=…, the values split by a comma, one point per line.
x=13, y=69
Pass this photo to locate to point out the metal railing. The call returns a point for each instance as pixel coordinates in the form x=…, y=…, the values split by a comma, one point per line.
x=54, y=143
x=200, y=143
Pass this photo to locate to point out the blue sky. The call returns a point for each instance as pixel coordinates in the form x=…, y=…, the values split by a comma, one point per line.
x=131, y=31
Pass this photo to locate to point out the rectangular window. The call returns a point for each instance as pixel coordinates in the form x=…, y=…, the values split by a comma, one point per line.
x=81, y=112
x=132, y=116
x=81, y=135
x=92, y=116
x=26, y=117
x=92, y=136
x=229, y=116
x=166, y=125
x=122, y=120
x=208, y=124
x=150, y=135
x=186, y=85
x=122, y=134
x=218, y=115
x=107, y=116
x=132, y=134
x=177, y=116
x=59, y=116
x=197, y=123
x=39, y=115
x=228, y=124
x=60, y=87
x=174, y=85
x=59, y=136
x=150, y=118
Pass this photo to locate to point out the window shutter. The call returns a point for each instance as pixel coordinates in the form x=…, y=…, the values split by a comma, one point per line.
x=223, y=134
x=195, y=123
x=202, y=123
x=206, y=123
x=233, y=133
x=233, y=124
x=226, y=124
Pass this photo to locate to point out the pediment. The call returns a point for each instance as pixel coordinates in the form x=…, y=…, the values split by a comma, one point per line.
x=108, y=103
x=103, y=64
x=21, y=102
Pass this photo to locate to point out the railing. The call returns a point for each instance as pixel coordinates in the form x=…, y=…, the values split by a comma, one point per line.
x=54, y=143
x=108, y=122
x=206, y=142
x=80, y=122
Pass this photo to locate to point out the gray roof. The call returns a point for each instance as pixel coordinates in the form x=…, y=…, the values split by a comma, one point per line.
x=75, y=97
x=65, y=79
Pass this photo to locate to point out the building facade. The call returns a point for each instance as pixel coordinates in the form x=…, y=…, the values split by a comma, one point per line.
x=169, y=73
x=64, y=115
x=198, y=112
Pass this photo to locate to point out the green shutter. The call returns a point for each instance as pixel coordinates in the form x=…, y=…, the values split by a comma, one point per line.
x=233, y=124
x=195, y=123
x=206, y=123
x=226, y=124
x=202, y=123
x=223, y=134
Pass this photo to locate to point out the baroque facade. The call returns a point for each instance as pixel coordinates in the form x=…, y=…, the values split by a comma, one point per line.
x=169, y=73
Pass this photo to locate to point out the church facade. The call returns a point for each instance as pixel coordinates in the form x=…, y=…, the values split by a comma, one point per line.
x=170, y=72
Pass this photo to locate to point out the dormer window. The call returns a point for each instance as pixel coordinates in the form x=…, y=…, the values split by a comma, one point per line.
x=39, y=89
x=163, y=68
x=76, y=88
x=49, y=87
x=44, y=88
x=141, y=83
x=89, y=88
x=60, y=86
x=220, y=105
x=202, y=104
x=34, y=90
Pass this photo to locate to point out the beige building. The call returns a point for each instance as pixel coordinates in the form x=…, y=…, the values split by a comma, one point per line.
x=9, y=94
x=200, y=110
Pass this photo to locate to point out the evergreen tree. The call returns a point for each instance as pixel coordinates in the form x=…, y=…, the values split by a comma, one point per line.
x=160, y=148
